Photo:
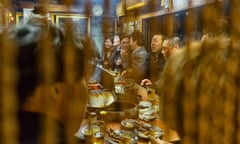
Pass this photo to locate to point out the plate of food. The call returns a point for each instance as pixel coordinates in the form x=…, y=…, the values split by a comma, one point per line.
x=120, y=137
x=128, y=123
x=145, y=130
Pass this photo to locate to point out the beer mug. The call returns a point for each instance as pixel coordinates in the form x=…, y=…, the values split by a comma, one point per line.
x=98, y=135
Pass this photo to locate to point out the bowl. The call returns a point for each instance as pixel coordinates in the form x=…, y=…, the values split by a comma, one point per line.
x=120, y=110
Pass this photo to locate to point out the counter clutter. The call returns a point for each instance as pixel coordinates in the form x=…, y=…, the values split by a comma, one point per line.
x=115, y=132
x=131, y=131
x=125, y=120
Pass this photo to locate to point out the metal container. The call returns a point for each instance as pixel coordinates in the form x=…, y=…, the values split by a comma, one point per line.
x=101, y=98
x=120, y=110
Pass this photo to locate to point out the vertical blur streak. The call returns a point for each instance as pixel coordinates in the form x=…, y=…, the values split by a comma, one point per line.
x=211, y=14
x=169, y=24
x=231, y=98
x=189, y=104
x=235, y=32
x=202, y=100
x=170, y=4
x=235, y=18
x=189, y=107
x=190, y=23
x=46, y=62
x=8, y=81
x=70, y=74
x=206, y=97
x=106, y=25
x=67, y=3
x=107, y=6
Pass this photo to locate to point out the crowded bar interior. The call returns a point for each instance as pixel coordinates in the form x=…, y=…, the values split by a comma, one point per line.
x=119, y=72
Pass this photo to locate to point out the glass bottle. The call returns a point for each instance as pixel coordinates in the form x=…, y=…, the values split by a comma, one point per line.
x=118, y=87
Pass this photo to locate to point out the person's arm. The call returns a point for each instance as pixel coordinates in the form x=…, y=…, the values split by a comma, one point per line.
x=125, y=58
x=146, y=83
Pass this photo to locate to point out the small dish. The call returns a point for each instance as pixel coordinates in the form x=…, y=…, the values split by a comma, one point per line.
x=128, y=123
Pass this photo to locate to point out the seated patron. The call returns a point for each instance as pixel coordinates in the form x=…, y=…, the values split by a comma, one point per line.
x=125, y=52
x=170, y=46
x=139, y=60
x=157, y=60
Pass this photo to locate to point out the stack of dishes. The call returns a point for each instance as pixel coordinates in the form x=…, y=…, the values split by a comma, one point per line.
x=146, y=111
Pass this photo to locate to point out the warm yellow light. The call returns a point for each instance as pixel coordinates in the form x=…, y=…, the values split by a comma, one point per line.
x=12, y=18
x=10, y=14
x=140, y=4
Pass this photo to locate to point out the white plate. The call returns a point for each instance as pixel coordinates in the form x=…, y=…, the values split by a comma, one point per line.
x=147, y=115
x=145, y=104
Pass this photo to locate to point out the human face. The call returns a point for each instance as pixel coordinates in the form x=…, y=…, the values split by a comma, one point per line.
x=156, y=43
x=125, y=44
x=166, y=49
x=108, y=44
x=116, y=41
x=132, y=44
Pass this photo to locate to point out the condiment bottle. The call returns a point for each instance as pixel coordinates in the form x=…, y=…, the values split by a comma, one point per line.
x=153, y=97
x=102, y=115
x=119, y=89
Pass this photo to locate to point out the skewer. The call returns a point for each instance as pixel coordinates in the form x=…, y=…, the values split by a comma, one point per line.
x=104, y=69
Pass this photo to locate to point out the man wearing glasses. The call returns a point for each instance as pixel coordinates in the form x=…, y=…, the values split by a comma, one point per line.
x=170, y=46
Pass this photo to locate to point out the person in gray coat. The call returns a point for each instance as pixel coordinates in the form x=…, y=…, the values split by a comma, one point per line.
x=139, y=60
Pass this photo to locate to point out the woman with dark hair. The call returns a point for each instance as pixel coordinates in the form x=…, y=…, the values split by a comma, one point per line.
x=107, y=50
